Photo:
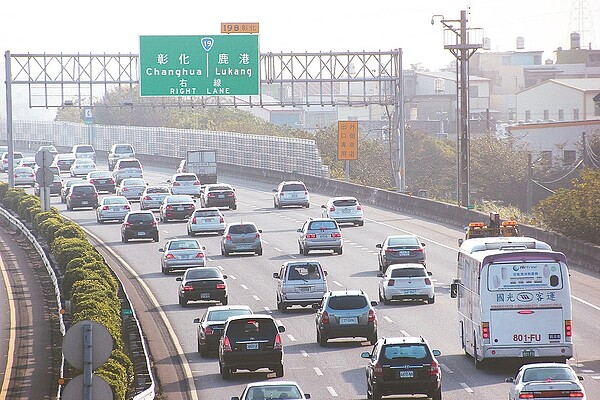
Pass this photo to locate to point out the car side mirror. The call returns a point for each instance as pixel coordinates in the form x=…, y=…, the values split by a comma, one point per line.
x=275, y=275
x=235, y=398
x=196, y=320
x=179, y=279
x=299, y=230
x=454, y=290
x=365, y=354
x=373, y=303
x=274, y=190
x=307, y=395
x=161, y=250
x=378, y=245
x=436, y=352
x=168, y=181
x=509, y=380
x=580, y=377
x=316, y=306
x=281, y=329
x=429, y=273
x=423, y=244
x=325, y=273
x=323, y=206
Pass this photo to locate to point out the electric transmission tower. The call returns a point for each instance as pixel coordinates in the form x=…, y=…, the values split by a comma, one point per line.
x=582, y=21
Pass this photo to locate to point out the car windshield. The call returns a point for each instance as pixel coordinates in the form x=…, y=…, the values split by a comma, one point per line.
x=183, y=245
x=114, y=200
x=242, y=229
x=415, y=351
x=222, y=315
x=157, y=190
x=202, y=273
x=347, y=302
x=141, y=217
x=408, y=272
x=134, y=182
x=322, y=226
x=402, y=241
x=345, y=203
x=290, y=392
x=293, y=187
x=548, y=373
x=186, y=178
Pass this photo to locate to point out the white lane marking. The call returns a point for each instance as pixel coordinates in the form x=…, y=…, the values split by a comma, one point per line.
x=304, y=353
x=597, y=378
x=268, y=310
x=445, y=368
x=587, y=303
x=364, y=249
x=292, y=338
x=404, y=333
x=265, y=242
x=218, y=266
x=466, y=387
x=318, y=371
x=244, y=287
x=256, y=297
x=351, y=243
x=277, y=249
x=337, y=283
x=331, y=391
x=388, y=319
x=12, y=325
x=587, y=371
x=278, y=321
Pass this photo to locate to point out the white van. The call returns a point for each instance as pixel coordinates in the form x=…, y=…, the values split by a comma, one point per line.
x=117, y=151
x=84, y=151
x=300, y=283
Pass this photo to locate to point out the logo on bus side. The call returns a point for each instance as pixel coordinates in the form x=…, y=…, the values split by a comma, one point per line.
x=525, y=297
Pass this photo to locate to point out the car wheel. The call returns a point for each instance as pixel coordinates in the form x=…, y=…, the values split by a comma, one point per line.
x=124, y=239
x=224, y=301
x=431, y=300
x=69, y=207
x=437, y=395
x=202, y=350
x=190, y=233
x=321, y=338
x=375, y=393
x=283, y=307
x=304, y=251
x=373, y=338
x=361, y=223
x=182, y=302
x=386, y=301
x=380, y=297
x=233, y=207
x=279, y=371
x=98, y=220
x=259, y=252
x=226, y=372
x=339, y=250
x=225, y=252
x=164, y=270
x=156, y=238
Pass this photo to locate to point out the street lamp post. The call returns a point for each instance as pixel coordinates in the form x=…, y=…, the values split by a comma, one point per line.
x=460, y=47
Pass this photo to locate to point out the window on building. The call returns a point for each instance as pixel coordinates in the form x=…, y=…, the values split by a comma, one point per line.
x=546, y=115
x=569, y=157
x=527, y=115
x=561, y=115
x=597, y=109
x=576, y=114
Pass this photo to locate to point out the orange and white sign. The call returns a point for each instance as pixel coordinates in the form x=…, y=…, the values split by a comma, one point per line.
x=347, y=140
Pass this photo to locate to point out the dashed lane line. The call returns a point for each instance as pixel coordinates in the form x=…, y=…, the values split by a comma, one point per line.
x=244, y=287
x=331, y=391
x=388, y=319
x=318, y=371
x=466, y=387
x=304, y=353
x=337, y=283
x=445, y=368
x=256, y=297
x=291, y=337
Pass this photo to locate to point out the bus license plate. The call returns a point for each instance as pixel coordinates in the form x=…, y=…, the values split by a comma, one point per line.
x=406, y=374
x=251, y=346
x=528, y=353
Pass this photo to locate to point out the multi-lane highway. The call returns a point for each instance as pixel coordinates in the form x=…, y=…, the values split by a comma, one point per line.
x=336, y=371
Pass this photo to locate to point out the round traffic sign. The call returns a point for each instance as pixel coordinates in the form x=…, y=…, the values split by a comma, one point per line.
x=44, y=176
x=73, y=345
x=43, y=158
x=74, y=389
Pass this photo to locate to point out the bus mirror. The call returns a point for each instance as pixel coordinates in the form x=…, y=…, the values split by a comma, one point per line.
x=453, y=290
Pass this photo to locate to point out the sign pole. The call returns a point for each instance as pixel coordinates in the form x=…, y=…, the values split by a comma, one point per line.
x=87, y=361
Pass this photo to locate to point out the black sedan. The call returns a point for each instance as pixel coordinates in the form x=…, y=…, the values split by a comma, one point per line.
x=179, y=206
x=211, y=325
x=202, y=284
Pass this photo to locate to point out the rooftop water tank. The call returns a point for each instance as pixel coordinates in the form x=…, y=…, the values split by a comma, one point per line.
x=520, y=42
x=575, y=41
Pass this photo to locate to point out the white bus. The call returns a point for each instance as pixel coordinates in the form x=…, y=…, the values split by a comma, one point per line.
x=514, y=300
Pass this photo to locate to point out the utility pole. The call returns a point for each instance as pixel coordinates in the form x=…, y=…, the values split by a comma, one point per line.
x=456, y=39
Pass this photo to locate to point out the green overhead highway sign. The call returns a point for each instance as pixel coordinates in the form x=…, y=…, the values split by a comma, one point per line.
x=208, y=65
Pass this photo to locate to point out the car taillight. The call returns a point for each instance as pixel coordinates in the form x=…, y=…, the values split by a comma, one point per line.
x=568, y=328
x=378, y=370
x=306, y=192
x=226, y=344
x=124, y=189
x=485, y=330
x=210, y=195
x=434, y=369
x=16, y=176
x=200, y=255
x=372, y=316
x=359, y=207
x=197, y=183
x=168, y=207
x=188, y=288
x=278, y=345
x=336, y=235
x=154, y=223
x=127, y=207
x=428, y=281
x=311, y=235
x=192, y=206
x=221, y=220
x=257, y=235
x=169, y=256
x=111, y=180
x=209, y=331
x=391, y=282
x=147, y=198
x=418, y=250
x=105, y=208
x=176, y=184
x=194, y=220
x=390, y=250
x=332, y=208
x=526, y=396
x=230, y=194
x=228, y=237
x=220, y=286
x=31, y=175
x=126, y=224
x=325, y=318
x=92, y=181
x=576, y=395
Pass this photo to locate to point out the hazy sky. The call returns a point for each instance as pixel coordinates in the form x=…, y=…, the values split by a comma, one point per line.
x=94, y=26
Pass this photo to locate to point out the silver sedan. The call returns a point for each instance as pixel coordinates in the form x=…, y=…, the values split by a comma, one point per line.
x=132, y=188
x=153, y=197
x=182, y=254
x=112, y=208
x=24, y=176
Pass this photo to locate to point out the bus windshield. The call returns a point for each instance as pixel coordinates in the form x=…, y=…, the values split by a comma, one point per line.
x=525, y=276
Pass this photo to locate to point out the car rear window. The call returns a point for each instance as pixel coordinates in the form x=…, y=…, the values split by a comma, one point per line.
x=183, y=245
x=134, y=182
x=240, y=229
x=158, y=190
x=129, y=164
x=123, y=149
x=322, y=225
x=293, y=187
x=345, y=203
x=101, y=174
x=217, y=188
x=347, y=302
x=408, y=272
x=403, y=241
x=145, y=217
x=179, y=199
x=416, y=351
x=203, y=273
x=252, y=327
x=115, y=200
x=83, y=189
x=304, y=272
x=212, y=213
x=186, y=178
x=222, y=315
x=84, y=149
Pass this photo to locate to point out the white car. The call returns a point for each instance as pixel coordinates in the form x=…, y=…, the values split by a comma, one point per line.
x=272, y=390
x=132, y=188
x=24, y=176
x=112, y=208
x=82, y=166
x=546, y=381
x=406, y=282
x=345, y=210
x=205, y=220
x=185, y=183
x=292, y=193
x=153, y=197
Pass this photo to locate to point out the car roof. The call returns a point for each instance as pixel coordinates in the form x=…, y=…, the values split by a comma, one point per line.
x=347, y=292
x=228, y=307
x=544, y=365
x=241, y=223
x=203, y=269
x=286, y=182
x=343, y=198
x=406, y=266
x=272, y=383
x=321, y=219
x=401, y=236
x=404, y=340
x=83, y=184
x=253, y=316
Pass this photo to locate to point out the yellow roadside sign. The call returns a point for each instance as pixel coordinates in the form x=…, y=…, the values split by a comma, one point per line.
x=239, y=27
x=347, y=140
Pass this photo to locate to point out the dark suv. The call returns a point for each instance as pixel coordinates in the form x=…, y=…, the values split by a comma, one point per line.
x=251, y=342
x=403, y=365
x=139, y=225
x=218, y=195
x=82, y=195
x=344, y=314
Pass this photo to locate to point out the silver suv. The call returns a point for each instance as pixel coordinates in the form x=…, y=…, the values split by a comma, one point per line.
x=320, y=234
x=300, y=283
x=345, y=210
x=292, y=193
x=345, y=313
x=117, y=151
x=127, y=168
